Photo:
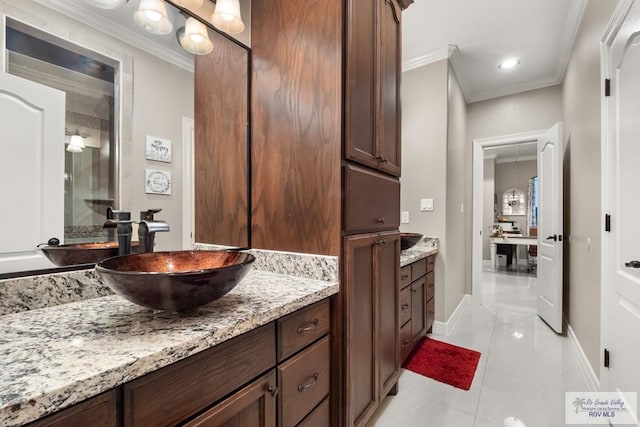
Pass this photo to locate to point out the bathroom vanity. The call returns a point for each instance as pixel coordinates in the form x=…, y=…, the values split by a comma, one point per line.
x=260, y=355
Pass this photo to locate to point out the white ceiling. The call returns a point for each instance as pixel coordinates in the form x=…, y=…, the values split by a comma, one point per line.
x=540, y=32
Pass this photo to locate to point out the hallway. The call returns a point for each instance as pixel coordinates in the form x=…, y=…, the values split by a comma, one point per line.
x=524, y=370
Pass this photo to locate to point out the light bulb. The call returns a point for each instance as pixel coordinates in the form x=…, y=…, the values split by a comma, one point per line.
x=194, y=37
x=152, y=17
x=226, y=17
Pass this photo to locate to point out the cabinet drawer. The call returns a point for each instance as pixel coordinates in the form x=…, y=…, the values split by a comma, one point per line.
x=304, y=382
x=405, y=276
x=372, y=201
x=302, y=328
x=254, y=405
x=405, y=305
x=406, y=341
x=174, y=393
x=418, y=269
x=99, y=411
x=320, y=417
x=431, y=261
x=430, y=285
x=430, y=313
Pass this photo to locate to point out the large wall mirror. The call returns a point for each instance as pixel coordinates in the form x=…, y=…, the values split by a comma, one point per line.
x=89, y=90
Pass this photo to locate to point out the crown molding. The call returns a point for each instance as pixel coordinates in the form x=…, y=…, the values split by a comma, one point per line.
x=456, y=63
x=571, y=28
x=429, y=58
x=94, y=20
x=513, y=89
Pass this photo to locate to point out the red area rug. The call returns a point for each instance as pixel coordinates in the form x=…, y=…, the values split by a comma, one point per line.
x=444, y=362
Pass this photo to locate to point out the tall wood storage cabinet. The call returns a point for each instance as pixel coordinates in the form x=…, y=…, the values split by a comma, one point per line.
x=325, y=162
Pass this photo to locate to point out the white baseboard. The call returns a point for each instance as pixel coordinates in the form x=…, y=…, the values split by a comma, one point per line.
x=445, y=328
x=585, y=367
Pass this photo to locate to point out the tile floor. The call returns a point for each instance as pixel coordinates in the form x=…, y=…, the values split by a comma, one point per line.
x=524, y=370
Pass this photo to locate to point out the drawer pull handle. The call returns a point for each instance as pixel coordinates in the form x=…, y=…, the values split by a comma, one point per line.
x=380, y=220
x=404, y=276
x=381, y=242
x=414, y=290
x=309, y=327
x=405, y=344
x=273, y=390
x=405, y=306
x=314, y=379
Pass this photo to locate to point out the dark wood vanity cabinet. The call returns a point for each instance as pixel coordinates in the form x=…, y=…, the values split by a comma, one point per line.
x=372, y=97
x=370, y=295
x=416, y=303
x=276, y=375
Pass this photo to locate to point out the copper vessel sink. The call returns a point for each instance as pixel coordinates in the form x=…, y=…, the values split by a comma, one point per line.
x=409, y=240
x=175, y=281
x=82, y=253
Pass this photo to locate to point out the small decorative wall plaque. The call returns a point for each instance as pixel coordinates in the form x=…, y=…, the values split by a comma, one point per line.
x=158, y=149
x=158, y=182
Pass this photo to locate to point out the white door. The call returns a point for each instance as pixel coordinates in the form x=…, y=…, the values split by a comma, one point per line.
x=550, y=238
x=32, y=131
x=621, y=190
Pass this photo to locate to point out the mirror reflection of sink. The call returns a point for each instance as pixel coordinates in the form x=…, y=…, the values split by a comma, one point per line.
x=175, y=281
x=82, y=253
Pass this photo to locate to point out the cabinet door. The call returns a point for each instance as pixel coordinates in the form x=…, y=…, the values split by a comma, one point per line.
x=360, y=142
x=389, y=310
x=99, y=411
x=254, y=405
x=389, y=75
x=360, y=297
x=418, y=309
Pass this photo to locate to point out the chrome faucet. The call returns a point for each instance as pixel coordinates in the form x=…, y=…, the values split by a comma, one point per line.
x=147, y=229
x=121, y=221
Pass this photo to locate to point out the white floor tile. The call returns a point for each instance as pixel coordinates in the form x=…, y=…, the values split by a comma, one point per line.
x=524, y=370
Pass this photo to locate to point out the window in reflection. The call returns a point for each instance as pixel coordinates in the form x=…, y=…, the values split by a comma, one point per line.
x=88, y=81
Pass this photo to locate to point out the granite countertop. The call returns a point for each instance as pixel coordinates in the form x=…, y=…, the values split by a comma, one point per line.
x=57, y=356
x=424, y=248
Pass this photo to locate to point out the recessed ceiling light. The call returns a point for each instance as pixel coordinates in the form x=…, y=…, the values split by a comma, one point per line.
x=509, y=63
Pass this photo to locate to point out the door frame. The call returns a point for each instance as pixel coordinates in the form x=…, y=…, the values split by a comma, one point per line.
x=188, y=209
x=477, y=189
x=608, y=158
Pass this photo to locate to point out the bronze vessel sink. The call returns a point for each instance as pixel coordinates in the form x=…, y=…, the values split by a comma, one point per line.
x=175, y=281
x=409, y=240
x=81, y=253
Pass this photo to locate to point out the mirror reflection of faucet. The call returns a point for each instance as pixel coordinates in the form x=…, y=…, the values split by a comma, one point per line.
x=147, y=229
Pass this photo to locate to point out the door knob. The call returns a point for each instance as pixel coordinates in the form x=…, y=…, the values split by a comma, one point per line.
x=632, y=264
x=554, y=238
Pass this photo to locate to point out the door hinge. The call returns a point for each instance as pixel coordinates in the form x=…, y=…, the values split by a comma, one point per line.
x=606, y=358
x=607, y=222
x=607, y=87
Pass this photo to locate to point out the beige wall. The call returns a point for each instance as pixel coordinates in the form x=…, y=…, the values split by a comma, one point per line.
x=488, y=191
x=457, y=284
x=424, y=159
x=581, y=110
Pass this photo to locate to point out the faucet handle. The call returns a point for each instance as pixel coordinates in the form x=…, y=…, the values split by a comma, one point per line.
x=148, y=214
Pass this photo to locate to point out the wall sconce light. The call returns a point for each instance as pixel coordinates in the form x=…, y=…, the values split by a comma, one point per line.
x=226, y=17
x=152, y=17
x=76, y=143
x=188, y=3
x=194, y=38
x=106, y=4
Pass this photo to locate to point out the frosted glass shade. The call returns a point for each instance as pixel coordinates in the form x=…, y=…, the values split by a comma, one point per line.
x=106, y=4
x=152, y=17
x=188, y=3
x=76, y=144
x=194, y=38
x=226, y=17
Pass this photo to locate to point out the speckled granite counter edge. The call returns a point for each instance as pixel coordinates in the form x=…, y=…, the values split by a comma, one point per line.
x=426, y=247
x=26, y=407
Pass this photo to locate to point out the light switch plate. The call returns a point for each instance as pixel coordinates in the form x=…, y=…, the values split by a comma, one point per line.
x=404, y=217
x=426, y=205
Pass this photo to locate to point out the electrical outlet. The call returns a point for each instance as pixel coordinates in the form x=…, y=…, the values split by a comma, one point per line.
x=404, y=217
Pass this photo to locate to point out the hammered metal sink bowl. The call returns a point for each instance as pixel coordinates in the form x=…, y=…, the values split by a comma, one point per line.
x=175, y=281
x=82, y=253
x=409, y=240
